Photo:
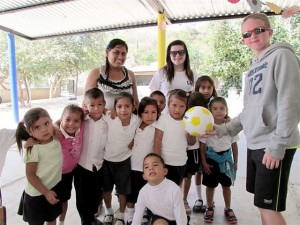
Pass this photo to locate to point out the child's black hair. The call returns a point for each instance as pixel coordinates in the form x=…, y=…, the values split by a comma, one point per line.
x=208, y=79
x=196, y=99
x=124, y=95
x=221, y=100
x=74, y=109
x=30, y=117
x=159, y=93
x=93, y=94
x=179, y=94
x=147, y=101
x=157, y=156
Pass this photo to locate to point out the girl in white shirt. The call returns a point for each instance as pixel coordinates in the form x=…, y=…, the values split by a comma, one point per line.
x=117, y=166
x=171, y=139
x=219, y=158
x=148, y=111
x=176, y=74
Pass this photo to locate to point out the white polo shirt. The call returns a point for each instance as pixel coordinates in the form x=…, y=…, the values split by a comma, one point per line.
x=94, y=141
x=143, y=145
x=119, y=137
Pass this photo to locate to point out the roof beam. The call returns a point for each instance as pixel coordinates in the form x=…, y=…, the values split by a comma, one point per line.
x=159, y=7
x=32, y=6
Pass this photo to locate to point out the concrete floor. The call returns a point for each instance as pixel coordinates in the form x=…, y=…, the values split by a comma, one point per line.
x=13, y=182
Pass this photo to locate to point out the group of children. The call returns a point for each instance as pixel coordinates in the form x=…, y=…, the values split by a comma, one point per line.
x=99, y=152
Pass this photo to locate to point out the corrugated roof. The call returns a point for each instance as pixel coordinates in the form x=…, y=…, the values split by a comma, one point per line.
x=34, y=19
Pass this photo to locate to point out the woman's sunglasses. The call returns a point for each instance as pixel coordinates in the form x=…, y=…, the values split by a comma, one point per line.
x=174, y=53
x=257, y=30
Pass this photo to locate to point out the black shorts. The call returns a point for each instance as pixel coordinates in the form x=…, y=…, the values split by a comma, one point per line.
x=216, y=177
x=119, y=174
x=175, y=173
x=193, y=163
x=156, y=217
x=66, y=186
x=36, y=210
x=137, y=182
x=268, y=186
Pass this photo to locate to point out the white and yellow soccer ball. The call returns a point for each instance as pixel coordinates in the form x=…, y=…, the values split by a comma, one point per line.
x=198, y=120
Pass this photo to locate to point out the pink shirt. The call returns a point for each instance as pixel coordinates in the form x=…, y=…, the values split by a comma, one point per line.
x=71, y=149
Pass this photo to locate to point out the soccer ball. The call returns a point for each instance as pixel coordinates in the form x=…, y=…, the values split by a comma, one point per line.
x=197, y=120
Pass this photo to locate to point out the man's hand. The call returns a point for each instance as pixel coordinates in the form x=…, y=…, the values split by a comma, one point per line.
x=270, y=162
x=210, y=133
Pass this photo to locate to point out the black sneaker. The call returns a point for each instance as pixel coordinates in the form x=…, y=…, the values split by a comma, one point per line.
x=199, y=206
x=97, y=222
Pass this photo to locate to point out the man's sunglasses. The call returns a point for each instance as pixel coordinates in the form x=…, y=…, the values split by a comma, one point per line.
x=174, y=53
x=257, y=30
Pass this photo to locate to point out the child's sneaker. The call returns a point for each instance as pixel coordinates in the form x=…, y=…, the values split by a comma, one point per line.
x=146, y=217
x=120, y=222
x=145, y=221
x=209, y=215
x=100, y=206
x=199, y=206
x=108, y=219
x=187, y=208
x=230, y=216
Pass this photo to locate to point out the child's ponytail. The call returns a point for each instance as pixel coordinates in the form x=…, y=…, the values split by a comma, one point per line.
x=21, y=135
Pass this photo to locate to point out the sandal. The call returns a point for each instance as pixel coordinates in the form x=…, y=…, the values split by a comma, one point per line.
x=108, y=219
x=199, y=206
x=209, y=215
x=187, y=208
x=230, y=216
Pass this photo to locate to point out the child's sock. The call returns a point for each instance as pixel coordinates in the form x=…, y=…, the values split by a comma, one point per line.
x=109, y=211
x=199, y=191
x=120, y=216
x=61, y=223
x=129, y=213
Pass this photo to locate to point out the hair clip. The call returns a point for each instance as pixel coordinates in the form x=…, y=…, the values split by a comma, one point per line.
x=210, y=100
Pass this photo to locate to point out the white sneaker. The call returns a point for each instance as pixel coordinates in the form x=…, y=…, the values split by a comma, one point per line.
x=99, y=209
x=120, y=222
x=108, y=219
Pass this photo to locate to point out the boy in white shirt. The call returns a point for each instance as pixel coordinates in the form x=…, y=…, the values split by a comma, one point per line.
x=88, y=178
x=160, y=195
